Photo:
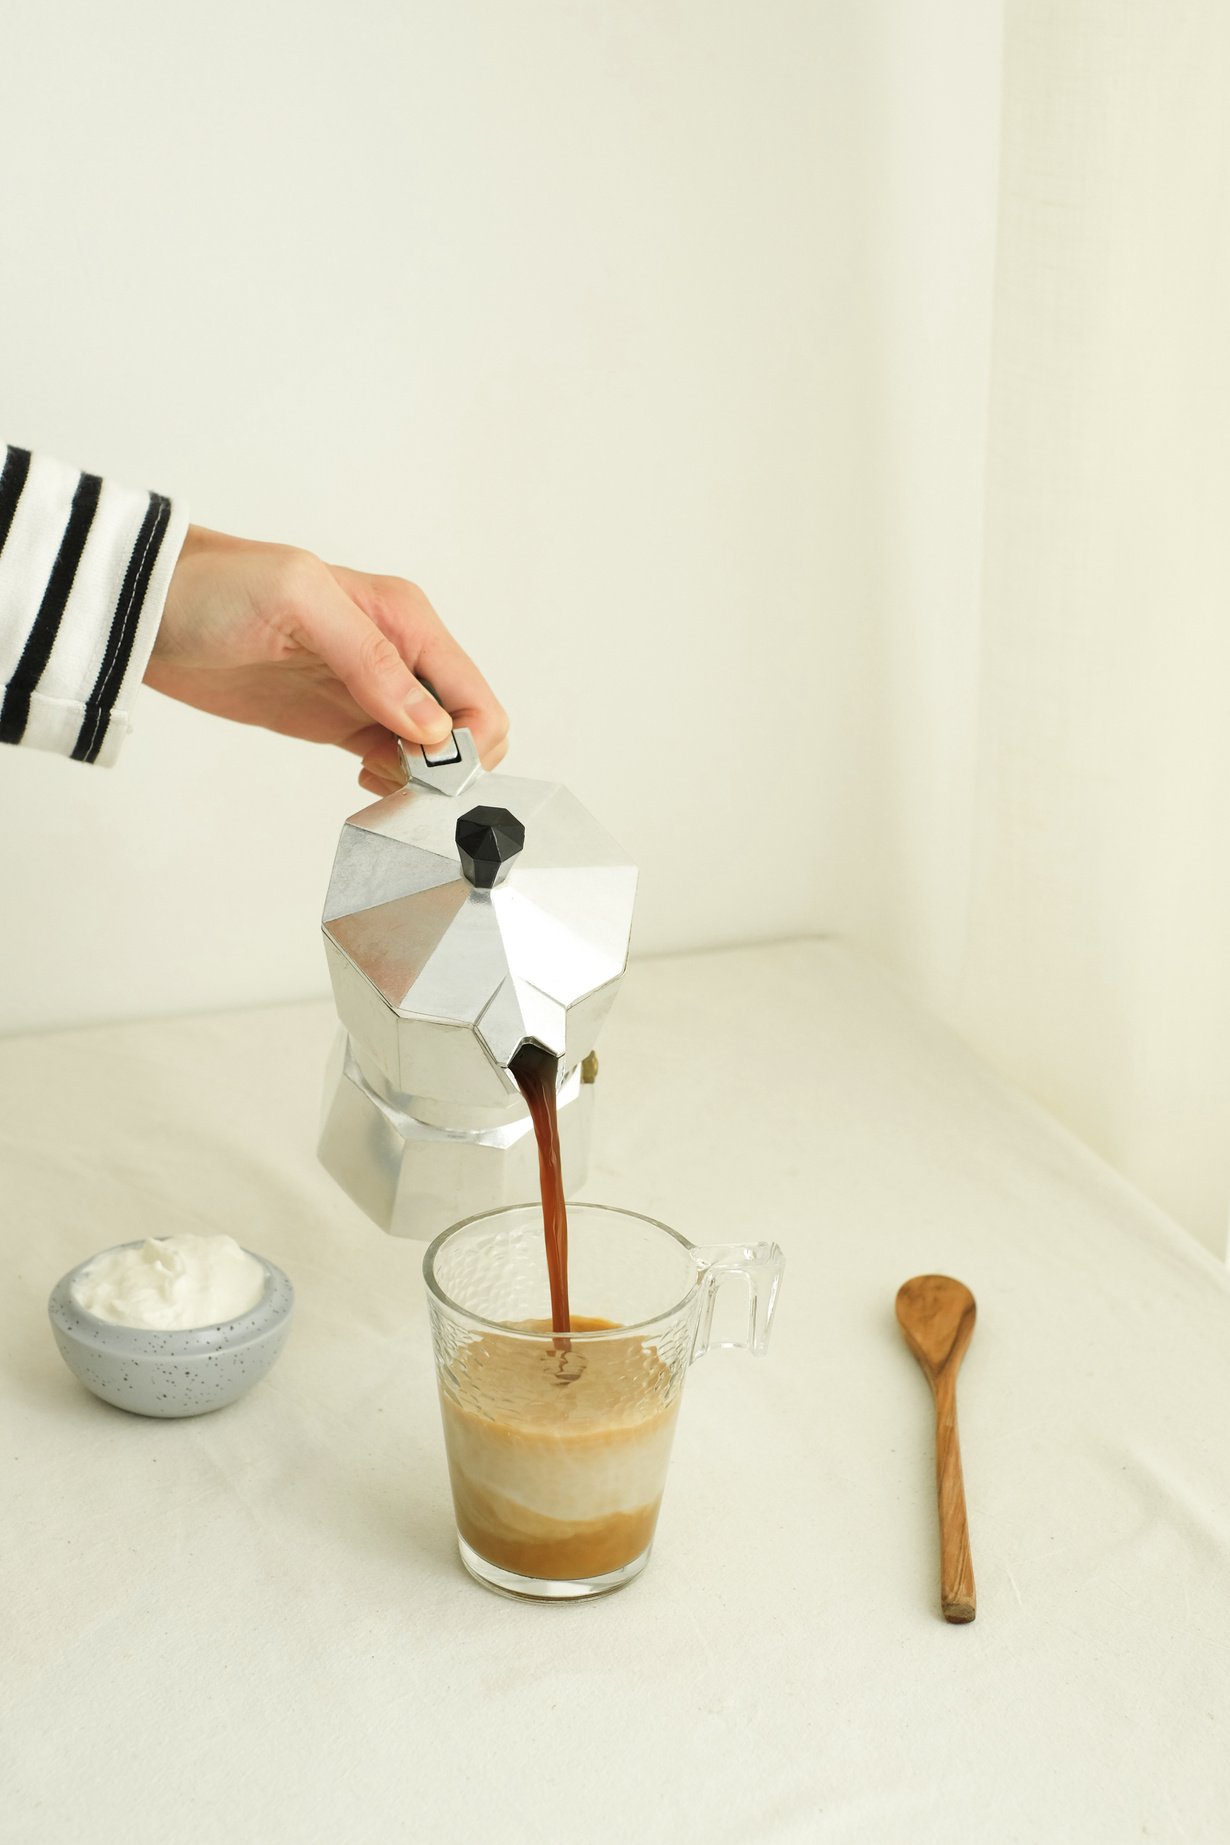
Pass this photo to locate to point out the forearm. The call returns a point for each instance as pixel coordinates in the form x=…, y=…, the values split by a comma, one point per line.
x=84, y=569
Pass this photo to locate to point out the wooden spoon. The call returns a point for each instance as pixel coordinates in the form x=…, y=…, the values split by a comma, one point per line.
x=937, y=1318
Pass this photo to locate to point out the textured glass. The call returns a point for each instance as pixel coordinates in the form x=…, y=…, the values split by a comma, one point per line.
x=558, y=1445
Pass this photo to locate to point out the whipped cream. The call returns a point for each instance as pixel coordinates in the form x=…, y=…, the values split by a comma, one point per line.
x=172, y=1283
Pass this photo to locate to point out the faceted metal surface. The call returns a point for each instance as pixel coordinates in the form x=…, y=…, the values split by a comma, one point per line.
x=464, y=976
x=414, y=1179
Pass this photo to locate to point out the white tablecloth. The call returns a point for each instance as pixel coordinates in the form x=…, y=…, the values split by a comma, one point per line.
x=254, y=1626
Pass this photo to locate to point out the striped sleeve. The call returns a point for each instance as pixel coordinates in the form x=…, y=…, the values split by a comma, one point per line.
x=85, y=565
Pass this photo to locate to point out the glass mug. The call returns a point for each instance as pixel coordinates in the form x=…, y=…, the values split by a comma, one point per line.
x=557, y=1444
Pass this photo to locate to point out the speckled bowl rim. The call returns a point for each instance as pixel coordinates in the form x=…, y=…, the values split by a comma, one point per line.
x=171, y=1342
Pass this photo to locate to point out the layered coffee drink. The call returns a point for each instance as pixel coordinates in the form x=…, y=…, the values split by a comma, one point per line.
x=558, y=1437
x=557, y=1444
x=557, y=1450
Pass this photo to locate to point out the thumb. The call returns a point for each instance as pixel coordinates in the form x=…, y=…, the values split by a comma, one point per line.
x=371, y=669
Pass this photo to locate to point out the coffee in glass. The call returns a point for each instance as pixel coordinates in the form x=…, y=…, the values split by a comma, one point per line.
x=558, y=1443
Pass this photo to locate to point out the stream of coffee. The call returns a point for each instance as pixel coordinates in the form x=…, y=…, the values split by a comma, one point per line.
x=535, y=1072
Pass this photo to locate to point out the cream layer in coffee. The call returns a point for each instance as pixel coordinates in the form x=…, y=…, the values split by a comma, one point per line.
x=558, y=1450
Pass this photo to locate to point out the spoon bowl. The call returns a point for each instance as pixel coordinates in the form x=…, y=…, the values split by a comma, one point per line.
x=937, y=1317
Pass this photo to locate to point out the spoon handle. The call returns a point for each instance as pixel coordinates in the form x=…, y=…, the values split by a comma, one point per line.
x=957, y=1595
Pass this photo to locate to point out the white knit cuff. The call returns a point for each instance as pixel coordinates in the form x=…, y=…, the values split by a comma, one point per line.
x=85, y=565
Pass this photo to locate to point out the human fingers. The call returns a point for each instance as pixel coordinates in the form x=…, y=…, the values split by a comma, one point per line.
x=404, y=614
x=367, y=661
x=381, y=761
x=377, y=785
x=461, y=689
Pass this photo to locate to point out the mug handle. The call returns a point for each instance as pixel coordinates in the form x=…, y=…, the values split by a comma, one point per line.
x=758, y=1267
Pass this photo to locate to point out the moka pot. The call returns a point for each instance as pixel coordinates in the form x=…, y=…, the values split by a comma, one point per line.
x=467, y=914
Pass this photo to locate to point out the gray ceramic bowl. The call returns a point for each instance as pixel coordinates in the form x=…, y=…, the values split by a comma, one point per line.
x=173, y=1373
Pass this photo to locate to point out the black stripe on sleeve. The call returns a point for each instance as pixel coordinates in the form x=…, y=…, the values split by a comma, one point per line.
x=15, y=711
x=12, y=480
x=124, y=625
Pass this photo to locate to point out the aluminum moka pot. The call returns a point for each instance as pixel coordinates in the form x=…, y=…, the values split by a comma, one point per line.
x=467, y=913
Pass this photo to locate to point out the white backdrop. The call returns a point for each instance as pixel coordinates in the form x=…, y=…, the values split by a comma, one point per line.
x=577, y=315
x=812, y=415
x=1098, y=958
x=559, y=309
x=1056, y=814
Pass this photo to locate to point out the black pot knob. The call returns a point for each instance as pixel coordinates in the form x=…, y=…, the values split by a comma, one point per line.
x=488, y=840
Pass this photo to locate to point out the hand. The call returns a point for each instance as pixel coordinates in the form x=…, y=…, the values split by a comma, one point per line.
x=268, y=635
